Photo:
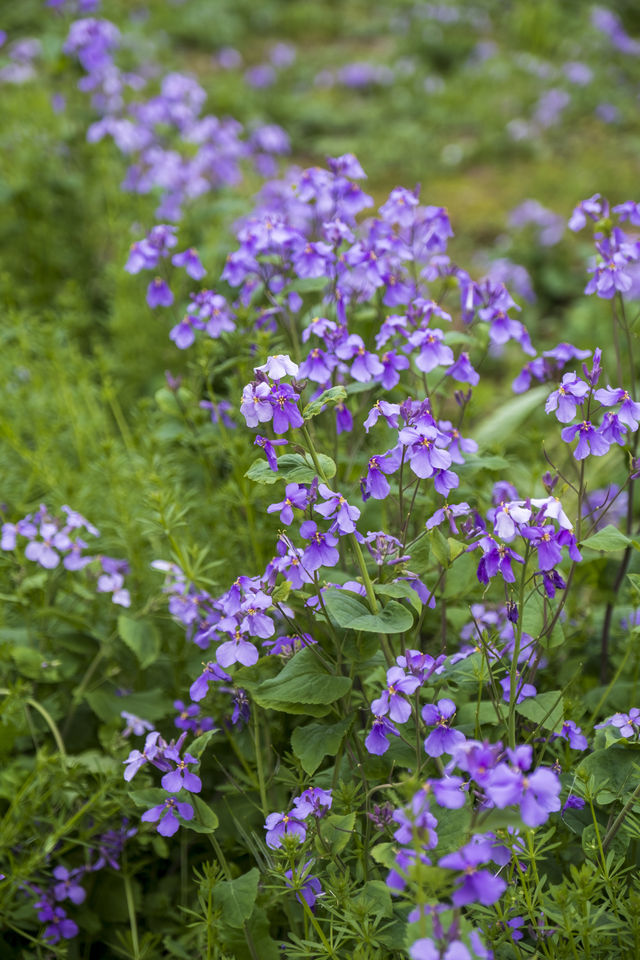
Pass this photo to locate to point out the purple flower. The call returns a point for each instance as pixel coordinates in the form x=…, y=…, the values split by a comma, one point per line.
x=237, y=650
x=67, y=886
x=180, y=777
x=278, y=366
x=443, y=739
x=295, y=496
x=200, y=687
x=477, y=886
x=269, y=448
x=306, y=886
x=573, y=733
x=314, y=801
x=279, y=825
x=392, y=700
x=321, y=552
x=566, y=398
x=166, y=814
x=336, y=506
x=137, y=758
x=159, y=294
x=377, y=742
x=190, y=260
x=590, y=440
x=424, y=445
x=285, y=408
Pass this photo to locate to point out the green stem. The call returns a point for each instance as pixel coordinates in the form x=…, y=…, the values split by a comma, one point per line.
x=513, y=677
x=259, y=766
x=48, y=718
x=131, y=909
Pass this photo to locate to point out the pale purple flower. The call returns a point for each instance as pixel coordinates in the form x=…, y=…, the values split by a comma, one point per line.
x=166, y=814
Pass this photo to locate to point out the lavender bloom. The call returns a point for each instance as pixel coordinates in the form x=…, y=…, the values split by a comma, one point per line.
x=166, y=814
x=392, y=700
x=306, y=886
x=567, y=397
x=137, y=758
x=314, y=801
x=523, y=690
x=67, y=886
x=269, y=448
x=42, y=551
x=443, y=739
x=477, y=886
x=212, y=672
x=237, y=650
x=336, y=506
x=181, y=777
x=190, y=260
x=256, y=404
x=573, y=733
x=426, y=455
x=375, y=484
x=629, y=412
x=389, y=411
x=590, y=440
x=627, y=723
x=285, y=408
x=295, y=496
x=279, y=825
x=321, y=552
x=159, y=293
x=278, y=366
x=377, y=742
x=134, y=724
x=59, y=926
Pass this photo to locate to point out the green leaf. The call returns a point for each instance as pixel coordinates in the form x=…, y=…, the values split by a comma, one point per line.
x=533, y=614
x=150, y=797
x=205, y=820
x=336, y=832
x=545, y=710
x=292, y=468
x=402, y=591
x=506, y=420
x=198, y=746
x=304, y=680
x=385, y=854
x=343, y=606
x=613, y=771
x=329, y=397
x=375, y=898
x=312, y=743
x=141, y=637
x=235, y=898
x=107, y=705
x=394, y=618
x=607, y=540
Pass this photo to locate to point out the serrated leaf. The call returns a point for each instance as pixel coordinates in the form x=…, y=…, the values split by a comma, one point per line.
x=313, y=742
x=235, y=898
x=607, y=540
x=328, y=398
x=141, y=637
x=292, y=468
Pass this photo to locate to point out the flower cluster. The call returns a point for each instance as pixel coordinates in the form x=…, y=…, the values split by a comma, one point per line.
x=52, y=541
x=313, y=802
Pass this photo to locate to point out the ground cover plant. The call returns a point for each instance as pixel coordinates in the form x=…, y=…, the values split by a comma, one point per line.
x=320, y=586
